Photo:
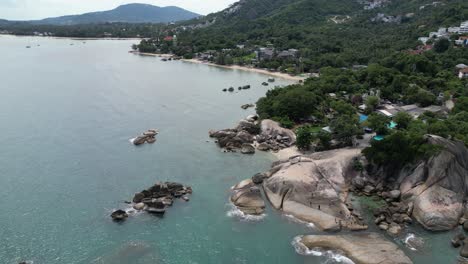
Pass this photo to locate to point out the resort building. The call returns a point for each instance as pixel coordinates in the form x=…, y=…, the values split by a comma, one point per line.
x=463, y=73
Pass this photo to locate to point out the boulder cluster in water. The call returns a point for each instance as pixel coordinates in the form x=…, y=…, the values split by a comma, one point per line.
x=247, y=106
x=267, y=135
x=392, y=217
x=231, y=89
x=147, y=137
x=156, y=199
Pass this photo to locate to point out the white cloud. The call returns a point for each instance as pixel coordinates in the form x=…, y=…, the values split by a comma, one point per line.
x=37, y=9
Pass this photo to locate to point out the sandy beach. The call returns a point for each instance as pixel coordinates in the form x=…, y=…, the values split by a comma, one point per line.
x=232, y=67
x=243, y=68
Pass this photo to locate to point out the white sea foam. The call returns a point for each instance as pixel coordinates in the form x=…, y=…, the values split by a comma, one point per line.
x=411, y=240
x=132, y=140
x=235, y=212
x=297, y=220
x=131, y=211
x=330, y=255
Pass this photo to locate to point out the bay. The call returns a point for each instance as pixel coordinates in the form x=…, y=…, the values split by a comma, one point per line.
x=68, y=109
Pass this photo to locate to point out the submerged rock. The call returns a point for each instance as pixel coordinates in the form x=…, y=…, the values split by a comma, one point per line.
x=457, y=240
x=247, y=106
x=364, y=248
x=147, y=136
x=247, y=149
x=139, y=140
x=119, y=215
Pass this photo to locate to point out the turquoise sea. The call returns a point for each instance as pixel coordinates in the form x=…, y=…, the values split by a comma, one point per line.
x=67, y=111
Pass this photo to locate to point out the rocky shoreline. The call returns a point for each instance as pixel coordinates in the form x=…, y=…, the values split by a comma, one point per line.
x=251, y=134
x=316, y=188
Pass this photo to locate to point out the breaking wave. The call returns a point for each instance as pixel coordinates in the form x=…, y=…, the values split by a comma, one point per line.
x=235, y=212
x=330, y=255
x=297, y=220
x=413, y=242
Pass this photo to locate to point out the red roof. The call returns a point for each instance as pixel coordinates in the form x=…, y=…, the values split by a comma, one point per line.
x=463, y=37
x=465, y=70
x=168, y=38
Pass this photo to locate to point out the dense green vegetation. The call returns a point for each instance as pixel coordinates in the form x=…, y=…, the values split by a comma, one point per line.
x=117, y=30
x=308, y=26
x=332, y=100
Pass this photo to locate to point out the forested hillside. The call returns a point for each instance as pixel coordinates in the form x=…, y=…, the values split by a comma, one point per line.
x=328, y=33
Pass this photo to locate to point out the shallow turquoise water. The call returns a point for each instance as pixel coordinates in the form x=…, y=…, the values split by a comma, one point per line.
x=67, y=113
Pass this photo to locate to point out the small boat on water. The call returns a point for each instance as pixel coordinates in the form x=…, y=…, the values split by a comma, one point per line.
x=164, y=59
x=28, y=47
x=271, y=79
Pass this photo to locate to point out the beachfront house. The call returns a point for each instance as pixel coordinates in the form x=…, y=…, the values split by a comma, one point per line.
x=288, y=54
x=463, y=73
x=453, y=30
x=463, y=27
x=265, y=53
x=462, y=41
x=423, y=40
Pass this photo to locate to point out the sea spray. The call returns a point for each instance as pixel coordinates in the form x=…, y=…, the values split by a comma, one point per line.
x=294, y=219
x=235, y=212
x=413, y=242
x=329, y=255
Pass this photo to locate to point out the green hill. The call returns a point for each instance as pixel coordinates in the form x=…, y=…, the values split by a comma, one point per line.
x=327, y=32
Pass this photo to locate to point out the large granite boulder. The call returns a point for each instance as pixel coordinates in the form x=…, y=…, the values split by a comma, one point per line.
x=314, y=188
x=272, y=130
x=269, y=135
x=437, y=185
x=363, y=248
x=437, y=208
x=248, y=198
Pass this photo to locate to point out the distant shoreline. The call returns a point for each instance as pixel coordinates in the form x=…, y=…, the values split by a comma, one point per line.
x=232, y=67
x=249, y=69
x=73, y=38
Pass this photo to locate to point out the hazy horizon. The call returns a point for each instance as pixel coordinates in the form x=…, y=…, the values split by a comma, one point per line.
x=40, y=9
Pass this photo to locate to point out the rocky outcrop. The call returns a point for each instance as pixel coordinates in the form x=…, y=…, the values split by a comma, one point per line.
x=250, y=133
x=147, y=137
x=437, y=186
x=247, y=106
x=313, y=188
x=248, y=198
x=369, y=248
x=156, y=198
x=119, y=215
x=438, y=209
x=275, y=137
x=393, y=217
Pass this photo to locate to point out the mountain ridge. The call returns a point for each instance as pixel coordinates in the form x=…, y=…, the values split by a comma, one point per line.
x=128, y=13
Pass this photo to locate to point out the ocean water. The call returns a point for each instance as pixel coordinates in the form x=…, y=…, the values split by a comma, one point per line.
x=67, y=111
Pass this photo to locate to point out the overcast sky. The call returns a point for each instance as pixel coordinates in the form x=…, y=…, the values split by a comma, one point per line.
x=37, y=9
